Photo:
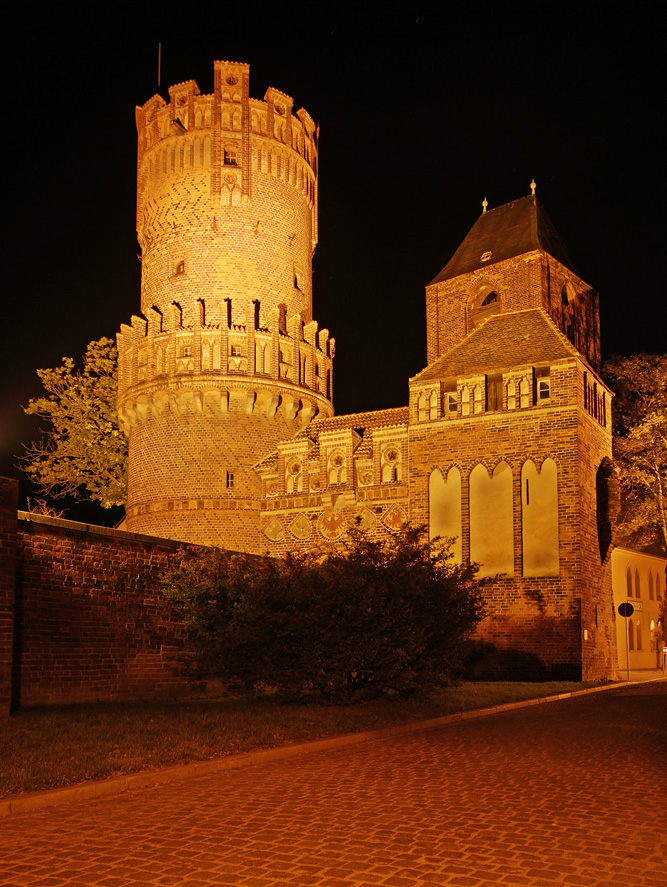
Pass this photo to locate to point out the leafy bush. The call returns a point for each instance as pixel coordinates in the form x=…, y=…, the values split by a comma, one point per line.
x=368, y=617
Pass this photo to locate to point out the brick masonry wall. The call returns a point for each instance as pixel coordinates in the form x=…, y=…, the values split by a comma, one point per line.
x=222, y=368
x=92, y=622
x=598, y=622
x=540, y=617
x=8, y=500
x=534, y=280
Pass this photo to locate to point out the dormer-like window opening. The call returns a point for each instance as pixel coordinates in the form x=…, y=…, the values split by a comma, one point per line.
x=494, y=392
x=450, y=398
x=180, y=268
x=542, y=382
x=230, y=157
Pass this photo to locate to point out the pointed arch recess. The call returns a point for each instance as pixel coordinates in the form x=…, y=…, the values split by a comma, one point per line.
x=444, y=508
x=491, y=529
x=539, y=519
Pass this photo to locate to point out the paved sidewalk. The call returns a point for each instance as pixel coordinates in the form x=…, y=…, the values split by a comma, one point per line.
x=573, y=793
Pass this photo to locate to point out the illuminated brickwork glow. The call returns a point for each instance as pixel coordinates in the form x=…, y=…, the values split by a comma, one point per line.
x=226, y=359
x=225, y=384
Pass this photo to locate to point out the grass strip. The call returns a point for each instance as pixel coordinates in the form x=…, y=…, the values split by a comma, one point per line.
x=44, y=748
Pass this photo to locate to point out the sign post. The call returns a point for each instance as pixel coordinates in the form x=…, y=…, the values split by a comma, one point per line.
x=626, y=610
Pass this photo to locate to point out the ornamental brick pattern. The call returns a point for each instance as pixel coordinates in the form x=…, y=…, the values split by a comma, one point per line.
x=226, y=359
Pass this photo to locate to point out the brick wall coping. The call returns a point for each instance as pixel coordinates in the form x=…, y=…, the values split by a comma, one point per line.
x=95, y=530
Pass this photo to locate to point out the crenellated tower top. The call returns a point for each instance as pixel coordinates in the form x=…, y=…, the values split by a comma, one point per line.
x=222, y=175
x=226, y=359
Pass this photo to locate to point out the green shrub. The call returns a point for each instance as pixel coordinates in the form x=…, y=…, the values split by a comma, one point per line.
x=367, y=617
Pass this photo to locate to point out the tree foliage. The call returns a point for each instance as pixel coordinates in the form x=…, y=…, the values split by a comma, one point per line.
x=83, y=452
x=640, y=445
x=368, y=617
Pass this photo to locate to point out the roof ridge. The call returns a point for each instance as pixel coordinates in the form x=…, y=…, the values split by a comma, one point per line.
x=510, y=230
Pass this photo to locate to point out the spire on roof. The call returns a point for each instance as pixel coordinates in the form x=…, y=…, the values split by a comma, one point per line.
x=504, y=232
x=485, y=204
x=533, y=187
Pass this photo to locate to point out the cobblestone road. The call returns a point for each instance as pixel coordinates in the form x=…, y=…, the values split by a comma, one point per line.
x=572, y=793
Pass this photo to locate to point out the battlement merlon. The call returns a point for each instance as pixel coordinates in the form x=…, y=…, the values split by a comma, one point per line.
x=272, y=118
x=181, y=343
x=242, y=320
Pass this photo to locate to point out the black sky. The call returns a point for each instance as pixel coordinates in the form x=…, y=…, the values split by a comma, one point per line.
x=422, y=115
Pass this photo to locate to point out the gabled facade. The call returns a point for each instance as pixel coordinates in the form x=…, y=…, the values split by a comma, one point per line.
x=504, y=447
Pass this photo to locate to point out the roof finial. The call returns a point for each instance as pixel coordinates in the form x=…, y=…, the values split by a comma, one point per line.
x=485, y=203
x=533, y=186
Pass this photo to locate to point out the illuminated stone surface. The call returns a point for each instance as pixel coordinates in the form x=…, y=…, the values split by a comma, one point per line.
x=563, y=793
x=226, y=386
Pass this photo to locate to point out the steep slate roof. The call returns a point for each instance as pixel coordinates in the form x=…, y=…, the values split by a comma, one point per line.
x=504, y=341
x=507, y=231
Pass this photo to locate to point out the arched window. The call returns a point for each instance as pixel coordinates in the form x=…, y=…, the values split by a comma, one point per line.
x=444, y=508
x=337, y=470
x=206, y=360
x=465, y=401
x=478, y=399
x=637, y=584
x=568, y=300
x=638, y=635
x=491, y=516
x=658, y=587
x=421, y=407
x=524, y=389
x=282, y=318
x=433, y=404
x=294, y=476
x=603, y=507
x=391, y=464
x=539, y=519
x=650, y=586
x=484, y=306
x=628, y=582
x=631, y=635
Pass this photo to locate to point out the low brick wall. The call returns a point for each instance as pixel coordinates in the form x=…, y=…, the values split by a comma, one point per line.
x=90, y=621
x=8, y=500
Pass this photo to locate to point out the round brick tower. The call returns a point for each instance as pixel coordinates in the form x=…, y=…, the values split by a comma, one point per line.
x=226, y=359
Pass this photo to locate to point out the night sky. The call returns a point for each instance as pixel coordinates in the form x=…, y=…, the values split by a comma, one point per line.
x=422, y=115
